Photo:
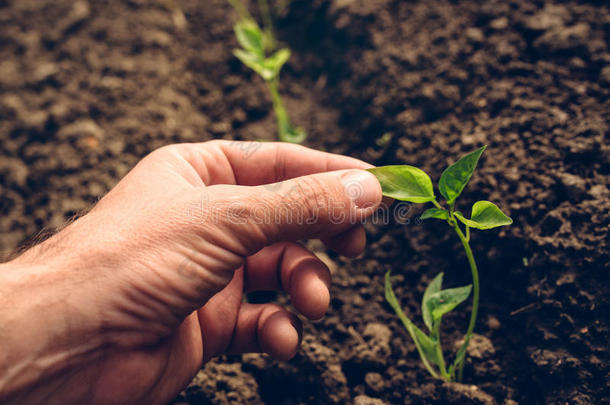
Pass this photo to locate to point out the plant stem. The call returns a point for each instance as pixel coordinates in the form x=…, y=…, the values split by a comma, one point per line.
x=459, y=360
x=278, y=108
x=265, y=11
x=239, y=7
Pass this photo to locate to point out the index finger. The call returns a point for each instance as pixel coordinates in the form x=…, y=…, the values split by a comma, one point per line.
x=256, y=163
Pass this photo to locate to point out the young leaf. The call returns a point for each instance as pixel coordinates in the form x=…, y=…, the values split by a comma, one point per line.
x=485, y=215
x=455, y=177
x=252, y=60
x=293, y=134
x=425, y=346
x=250, y=37
x=405, y=183
x=275, y=62
x=434, y=287
x=435, y=213
x=442, y=302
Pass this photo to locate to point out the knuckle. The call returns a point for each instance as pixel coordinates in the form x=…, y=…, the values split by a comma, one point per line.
x=217, y=143
x=164, y=151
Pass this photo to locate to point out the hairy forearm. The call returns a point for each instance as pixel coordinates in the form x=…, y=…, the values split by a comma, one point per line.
x=39, y=319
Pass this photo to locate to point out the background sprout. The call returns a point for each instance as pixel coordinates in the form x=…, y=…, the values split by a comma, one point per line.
x=259, y=52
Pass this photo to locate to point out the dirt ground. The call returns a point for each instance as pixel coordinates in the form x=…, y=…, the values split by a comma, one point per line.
x=88, y=88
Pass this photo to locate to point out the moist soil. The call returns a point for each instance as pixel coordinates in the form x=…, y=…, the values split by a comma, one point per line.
x=88, y=88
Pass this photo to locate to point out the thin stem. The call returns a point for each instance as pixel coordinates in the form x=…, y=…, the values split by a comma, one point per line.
x=467, y=233
x=263, y=6
x=459, y=361
x=239, y=7
x=437, y=205
x=278, y=108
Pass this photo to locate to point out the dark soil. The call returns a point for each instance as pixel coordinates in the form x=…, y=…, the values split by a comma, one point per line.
x=88, y=88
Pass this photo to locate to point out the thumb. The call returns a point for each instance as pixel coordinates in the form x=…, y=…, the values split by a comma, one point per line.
x=246, y=219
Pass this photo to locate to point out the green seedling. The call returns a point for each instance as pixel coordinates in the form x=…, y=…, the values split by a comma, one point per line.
x=259, y=52
x=408, y=183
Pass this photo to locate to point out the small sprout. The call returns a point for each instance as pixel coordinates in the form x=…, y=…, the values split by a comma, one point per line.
x=384, y=139
x=259, y=54
x=408, y=183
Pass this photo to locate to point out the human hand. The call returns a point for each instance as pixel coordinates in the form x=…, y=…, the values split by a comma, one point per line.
x=126, y=303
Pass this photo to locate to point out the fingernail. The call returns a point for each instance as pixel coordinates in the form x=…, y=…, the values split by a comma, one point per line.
x=362, y=188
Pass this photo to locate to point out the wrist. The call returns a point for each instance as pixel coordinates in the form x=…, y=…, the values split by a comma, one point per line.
x=43, y=332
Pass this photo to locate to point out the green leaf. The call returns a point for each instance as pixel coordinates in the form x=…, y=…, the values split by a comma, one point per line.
x=405, y=183
x=251, y=60
x=434, y=287
x=250, y=37
x=435, y=213
x=275, y=62
x=485, y=215
x=444, y=301
x=293, y=134
x=426, y=347
x=269, y=42
x=451, y=371
x=455, y=177
x=268, y=68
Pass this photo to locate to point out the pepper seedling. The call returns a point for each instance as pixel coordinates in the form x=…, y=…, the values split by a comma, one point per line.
x=408, y=183
x=258, y=52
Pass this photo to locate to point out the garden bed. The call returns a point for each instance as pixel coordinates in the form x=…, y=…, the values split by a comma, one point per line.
x=88, y=88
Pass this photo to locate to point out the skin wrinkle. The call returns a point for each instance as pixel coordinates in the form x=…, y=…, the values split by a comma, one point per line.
x=166, y=279
x=224, y=170
x=228, y=163
x=311, y=201
x=207, y=280
x=217, y=257
x=279, y=165
x=256, y=234
x=215, y=241
x=198, y=173
x=142, y=304
x=132, y=284
x=198, y=161
x=221, y=147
